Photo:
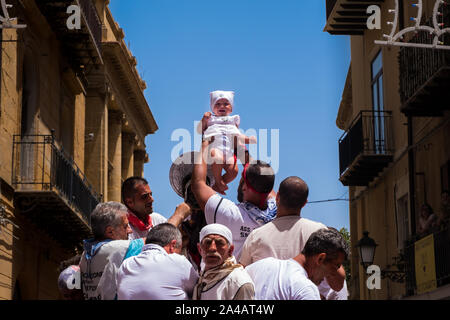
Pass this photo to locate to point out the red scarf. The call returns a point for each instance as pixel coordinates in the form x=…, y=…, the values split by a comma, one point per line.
x=136, y=222
x=263, y=195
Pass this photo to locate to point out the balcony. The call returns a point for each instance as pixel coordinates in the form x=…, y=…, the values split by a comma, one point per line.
x=425, y=76
x=348, y=17
x=441, y=258
x=366, y=148
x=50, y=189
x=82, y=46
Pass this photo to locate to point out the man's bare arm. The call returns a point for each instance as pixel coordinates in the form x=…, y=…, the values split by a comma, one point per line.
x=181, y=212
x=336, y=280
x=201, y=190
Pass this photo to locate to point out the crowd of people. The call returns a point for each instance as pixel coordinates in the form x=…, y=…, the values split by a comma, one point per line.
x=261, y=248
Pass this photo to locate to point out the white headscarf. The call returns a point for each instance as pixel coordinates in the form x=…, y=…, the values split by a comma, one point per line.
x=217, y=95
x=218, y=229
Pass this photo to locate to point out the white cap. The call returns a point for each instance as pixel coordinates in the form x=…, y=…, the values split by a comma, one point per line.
x=217, y=95
x=218, y=229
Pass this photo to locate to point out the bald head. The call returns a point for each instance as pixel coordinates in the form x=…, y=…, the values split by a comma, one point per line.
x=293, y=193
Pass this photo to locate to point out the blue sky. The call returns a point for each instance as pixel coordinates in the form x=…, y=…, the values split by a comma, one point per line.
x=287, y=74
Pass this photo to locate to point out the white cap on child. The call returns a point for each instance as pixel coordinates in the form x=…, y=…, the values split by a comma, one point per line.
x=217, y=95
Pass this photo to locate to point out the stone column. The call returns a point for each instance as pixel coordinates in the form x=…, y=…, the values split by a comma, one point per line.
x=10, y=100
x=79, y=116
x=139, y=160
x=115, y=155
x=79, y=130
x=96, y=156
x=128, y=140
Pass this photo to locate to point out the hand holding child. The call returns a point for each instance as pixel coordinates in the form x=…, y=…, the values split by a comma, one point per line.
x=205, y=120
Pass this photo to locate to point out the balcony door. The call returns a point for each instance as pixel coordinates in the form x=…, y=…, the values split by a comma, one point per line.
x=379, y=146
x=30, y=92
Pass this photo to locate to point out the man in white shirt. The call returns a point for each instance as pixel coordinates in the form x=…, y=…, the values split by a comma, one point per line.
x=138, y=198
x=289, y=227
x=104, y=254
x=222, y=278
x=298, y=278
x=159, y=272
x=255, y=193
x=285, y=236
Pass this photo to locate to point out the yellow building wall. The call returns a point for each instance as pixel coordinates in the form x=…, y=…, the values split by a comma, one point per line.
x=373, y=208
x=29, y=257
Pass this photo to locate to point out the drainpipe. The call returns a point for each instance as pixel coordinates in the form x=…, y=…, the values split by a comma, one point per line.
x=411, y=159
x=411, y=173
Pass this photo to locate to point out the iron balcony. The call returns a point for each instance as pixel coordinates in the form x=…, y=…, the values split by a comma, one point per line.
x=441, y=239
x=81, y=46
x=51, y=190
x=425, y=75
x=366, y=148
x=348, y=17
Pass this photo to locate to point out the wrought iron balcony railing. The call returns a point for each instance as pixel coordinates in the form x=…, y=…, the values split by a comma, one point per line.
x=425, y=75
x=92, y=19
x=366, y=148
x=441, y=258
x=82, y=46
x=49, y=184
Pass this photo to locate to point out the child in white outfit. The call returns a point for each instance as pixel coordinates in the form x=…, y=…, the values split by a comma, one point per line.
x=221, y=128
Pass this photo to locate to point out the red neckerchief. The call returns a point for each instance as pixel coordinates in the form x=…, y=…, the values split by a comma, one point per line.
x=263, y=195
x=136, y=222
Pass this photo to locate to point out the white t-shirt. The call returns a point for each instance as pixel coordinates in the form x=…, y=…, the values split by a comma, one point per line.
x=156, y=275
x=138, y=234
x=98, y=274
x=330, y=294
x=283, y=238
x=276, y=279
x=233, y=216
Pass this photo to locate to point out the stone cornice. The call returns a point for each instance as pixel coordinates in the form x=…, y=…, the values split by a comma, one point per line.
x=346, y=107
x=136, y=104
x=120, y=59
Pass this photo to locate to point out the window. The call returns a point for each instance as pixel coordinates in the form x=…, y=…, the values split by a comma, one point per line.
x=379, y=146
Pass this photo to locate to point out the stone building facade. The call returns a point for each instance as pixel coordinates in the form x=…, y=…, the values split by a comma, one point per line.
x=73, y=122
x=395, y=152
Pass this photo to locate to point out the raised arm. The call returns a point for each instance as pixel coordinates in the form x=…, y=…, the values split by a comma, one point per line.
x=241, y=152
x=181, y=212
x=336, y=279
x=205, y=120
x=201, y=190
